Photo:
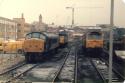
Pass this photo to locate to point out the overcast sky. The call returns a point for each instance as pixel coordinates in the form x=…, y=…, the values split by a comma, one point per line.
x=87, y=12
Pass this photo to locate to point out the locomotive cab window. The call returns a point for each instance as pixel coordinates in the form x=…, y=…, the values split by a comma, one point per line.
x=94, y=35
x=35, y=35
x=42, y=37
x=28, y=36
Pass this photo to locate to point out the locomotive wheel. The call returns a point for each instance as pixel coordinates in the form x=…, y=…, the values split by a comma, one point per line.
x=32, y=58
x=35, y=58
x=40, y=57
x=27, y=58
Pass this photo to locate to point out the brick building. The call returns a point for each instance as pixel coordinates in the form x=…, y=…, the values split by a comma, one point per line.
x=23, y=27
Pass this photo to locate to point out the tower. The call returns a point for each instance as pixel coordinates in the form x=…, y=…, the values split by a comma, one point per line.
x=22, y=16
x=40, y=18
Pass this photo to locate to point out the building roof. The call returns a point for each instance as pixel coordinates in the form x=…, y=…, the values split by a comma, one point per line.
x=6, y=19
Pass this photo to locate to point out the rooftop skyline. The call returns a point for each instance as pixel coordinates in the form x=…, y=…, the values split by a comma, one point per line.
x=87, y=12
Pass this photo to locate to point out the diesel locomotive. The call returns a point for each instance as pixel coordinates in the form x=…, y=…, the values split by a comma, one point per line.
x=63, y=38
x=93, y=40
x=118, y=36
x=37, y=44
x=118, y=41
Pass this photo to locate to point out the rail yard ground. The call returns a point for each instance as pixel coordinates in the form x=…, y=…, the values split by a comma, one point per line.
x=8, y=61
x=70, y=64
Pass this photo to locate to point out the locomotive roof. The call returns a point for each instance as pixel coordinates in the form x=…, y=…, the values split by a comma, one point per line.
x=47, y=34
x=91, y=31
x=50, y=34
x=63, y=32
x=94, y=28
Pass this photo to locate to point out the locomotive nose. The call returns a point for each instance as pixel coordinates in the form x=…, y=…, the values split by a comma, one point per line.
x=61, y=40
x=34, y=45
x=95, y=44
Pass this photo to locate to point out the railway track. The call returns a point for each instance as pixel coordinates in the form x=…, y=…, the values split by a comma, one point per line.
x=11, y=69
x=12, y=75
x=16, y=72
x=117, y=67
x=102, y=68
x=57, y=73
x=22, y=73
x=76, y=66
x=63, y=65
x=47, y=71
x=55, y=67
x=115, y=70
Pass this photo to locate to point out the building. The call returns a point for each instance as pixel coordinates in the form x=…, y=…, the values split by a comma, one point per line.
x=39, y=25
x=23, y=27
x=53, y=28
x=8, y=28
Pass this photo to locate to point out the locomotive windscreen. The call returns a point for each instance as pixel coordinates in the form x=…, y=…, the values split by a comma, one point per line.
x=35, y=35
x=63, y=33
x=94, y=35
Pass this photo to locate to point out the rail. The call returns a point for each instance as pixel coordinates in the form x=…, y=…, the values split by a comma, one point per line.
x=60, y=68
x=114, y=70
x=76, y=66
x=22, y=73
x=7, y=71
x=98, y=71
x=101, y=67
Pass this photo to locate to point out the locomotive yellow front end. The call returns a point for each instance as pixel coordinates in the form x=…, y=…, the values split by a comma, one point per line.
x=34, y=46
x=62, y=40
x=94, y=44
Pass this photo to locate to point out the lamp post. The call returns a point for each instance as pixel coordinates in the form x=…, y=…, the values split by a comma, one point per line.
x=73, y=9
x=111, y=40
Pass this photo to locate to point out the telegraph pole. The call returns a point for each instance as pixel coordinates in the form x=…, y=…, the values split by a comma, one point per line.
x=111, y=41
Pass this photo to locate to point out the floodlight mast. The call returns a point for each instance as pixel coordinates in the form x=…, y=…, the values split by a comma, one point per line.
x=111, y=41
x=73, y=9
